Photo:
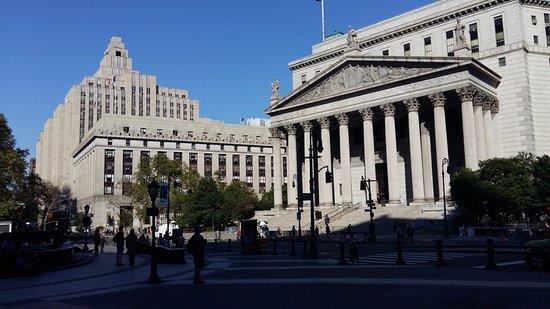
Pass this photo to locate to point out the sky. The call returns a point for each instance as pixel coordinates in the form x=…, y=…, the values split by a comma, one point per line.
x=226, y=53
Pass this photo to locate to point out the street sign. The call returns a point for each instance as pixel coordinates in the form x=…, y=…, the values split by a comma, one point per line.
x=163, y=196
x=150, y=212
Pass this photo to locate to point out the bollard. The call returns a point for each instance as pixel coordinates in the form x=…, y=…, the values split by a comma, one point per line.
x=229, y=245
x=491, y=263
x=274, y=251
x=304, y=253
x=293, y=247
x=215, y=245
x=342, y=260
x=400, y=260
x=440, y=261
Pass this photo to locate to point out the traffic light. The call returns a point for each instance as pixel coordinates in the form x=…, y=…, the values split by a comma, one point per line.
x=328, y=177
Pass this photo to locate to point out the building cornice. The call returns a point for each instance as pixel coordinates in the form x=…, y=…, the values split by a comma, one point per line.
x=421, y=25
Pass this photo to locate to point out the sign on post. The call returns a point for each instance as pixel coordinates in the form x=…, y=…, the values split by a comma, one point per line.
x=163, y=196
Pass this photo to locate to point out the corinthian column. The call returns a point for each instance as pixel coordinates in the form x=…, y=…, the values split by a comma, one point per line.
x=479, y=99
x=496, y=127
x=391, y=152
x=292, y=191
x=307, y=126
x=368, y=145
x=427, y=162
x=325, y=189
x=441, y=146
x=415, y=150
x=277, y=175
x=345, y=160
x=488, y=129
x=466, y=95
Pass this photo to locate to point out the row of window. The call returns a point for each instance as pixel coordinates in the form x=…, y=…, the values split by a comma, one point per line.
x=193, y=145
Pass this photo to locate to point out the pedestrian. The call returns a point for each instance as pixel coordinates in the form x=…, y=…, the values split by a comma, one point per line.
x=195, y=246
x=103, y=241
x=119, y=242
x=279, y=233
x=353, y=253
x=327, y=230
x=131, y=247
x=97, y=241
x=410, y=232
x=293, y=231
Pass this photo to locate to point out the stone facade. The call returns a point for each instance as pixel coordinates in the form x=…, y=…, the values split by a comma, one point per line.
x=111, y=120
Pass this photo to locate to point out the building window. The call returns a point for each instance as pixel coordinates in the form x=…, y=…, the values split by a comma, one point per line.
x=144, y=157
x=546, y=18
x=450, y=35
x=159, y=131
x=236, y=148
x=207, y=165
x=190, y=134
x=222, y=166
x=175, y=132
x=499, y=31
x=386, y=52
x=161, y=153
x=207, y=146
x=126, y=129
x=218, y=136
x=285, y=165
x=144, y=143
x=193, y=146
x=536, y=39
x=303, y=79
x=474, y=38
x=534, y=20
x=143, y=131
x=236, y=167
x=204, y=135
x=428, y=46
x=161, y=144
x=248, y=149
x=127, y=143
x=178, y=157
x=548, y=35
x=231, y=137
x=178, y=145
x=127, y=164
x=502, y=62
x=193, y=159
x=222, y=147
x=109, y=172
x=407, y=49
x=249, y=170
x=110, y=141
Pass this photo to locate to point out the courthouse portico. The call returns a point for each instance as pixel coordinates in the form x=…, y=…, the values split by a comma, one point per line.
x=392, y=119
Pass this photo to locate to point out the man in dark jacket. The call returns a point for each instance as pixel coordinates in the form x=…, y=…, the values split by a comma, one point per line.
x=196, y=245
x=97, y=241
x=131, y=247
x=118, y=239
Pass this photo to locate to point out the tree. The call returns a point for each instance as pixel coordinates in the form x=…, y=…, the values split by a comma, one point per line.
x=203, y=205
x=266, y=202
x=239, y=202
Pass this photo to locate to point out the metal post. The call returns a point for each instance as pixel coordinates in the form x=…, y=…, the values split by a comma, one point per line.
x=491, y=263
x=313, y=246
x=215, y=244
x=445, y=161
x=154, y=277
x=323, y=19
x=440, y=261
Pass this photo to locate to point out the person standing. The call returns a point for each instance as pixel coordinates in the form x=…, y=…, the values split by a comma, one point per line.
x=97, y=241
x=410, y=232
x=293, y=231
x=103, y=240
x=131, y=247
x=119, y=242
x=196, y=245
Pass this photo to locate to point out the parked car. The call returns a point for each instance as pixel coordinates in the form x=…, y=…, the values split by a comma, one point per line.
x=537, y=254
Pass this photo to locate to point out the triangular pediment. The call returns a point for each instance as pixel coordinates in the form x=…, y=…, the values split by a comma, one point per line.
x=357, y=73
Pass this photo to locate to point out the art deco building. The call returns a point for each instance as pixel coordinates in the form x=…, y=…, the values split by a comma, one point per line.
x=111, y=120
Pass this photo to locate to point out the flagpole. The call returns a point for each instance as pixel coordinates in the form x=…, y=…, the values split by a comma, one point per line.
x=323, y=19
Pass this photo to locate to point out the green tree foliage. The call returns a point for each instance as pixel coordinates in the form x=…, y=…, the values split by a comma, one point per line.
x=202, y=205
x=503, y=190
x=239, y=202
x=266, y=202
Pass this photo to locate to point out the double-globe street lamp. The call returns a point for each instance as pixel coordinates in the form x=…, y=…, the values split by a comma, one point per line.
x=153, y=189
x=443, y=163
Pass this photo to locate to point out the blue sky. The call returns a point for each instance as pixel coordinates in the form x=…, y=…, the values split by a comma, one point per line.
x=224, y=52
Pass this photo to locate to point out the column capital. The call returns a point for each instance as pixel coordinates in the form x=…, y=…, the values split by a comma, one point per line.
x=494, y=105
x=388, y=109
x=306, y=125
x=367, y=113
x=412, y=105
x=290, y=129
x=343, y=119
x=487, y=104
x=324, y=122
x=466, y=93
x=437, y=99
x=480, y=98
x=275, y=132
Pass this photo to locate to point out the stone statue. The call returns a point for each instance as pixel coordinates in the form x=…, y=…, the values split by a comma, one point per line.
x=460, y=34
x=275, y=89
x=352, y=39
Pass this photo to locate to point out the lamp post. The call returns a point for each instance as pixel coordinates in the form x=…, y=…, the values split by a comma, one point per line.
x=153, y=189
x=443, y=163
x=87, y=223
x=299, y=211
x=365, y=185
x=314, y=148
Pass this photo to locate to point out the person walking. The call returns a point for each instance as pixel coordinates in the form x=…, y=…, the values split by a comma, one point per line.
x=410, y=232
x=195, y=246
x=119, y=242
x=131, y=247
x=317, y=232
x=293, y=231
x=97, y=241
x=103, y=240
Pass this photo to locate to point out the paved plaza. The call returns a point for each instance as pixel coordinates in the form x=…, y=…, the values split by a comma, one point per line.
x=275, y=281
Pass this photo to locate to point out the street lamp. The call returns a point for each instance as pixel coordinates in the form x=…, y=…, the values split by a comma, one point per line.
x=87, y=222
x=299, y=210
x=443, y=163
x=153, y=189
x=365, y=185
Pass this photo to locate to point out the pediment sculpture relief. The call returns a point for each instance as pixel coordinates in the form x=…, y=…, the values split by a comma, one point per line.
x=356, y=77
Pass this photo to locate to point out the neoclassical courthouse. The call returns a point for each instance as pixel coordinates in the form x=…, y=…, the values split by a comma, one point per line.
x=464, y=80
x=110, y=121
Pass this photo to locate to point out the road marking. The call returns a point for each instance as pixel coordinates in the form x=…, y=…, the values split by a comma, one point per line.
x=504, y=264
x=315, y=267
x=383, y=281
